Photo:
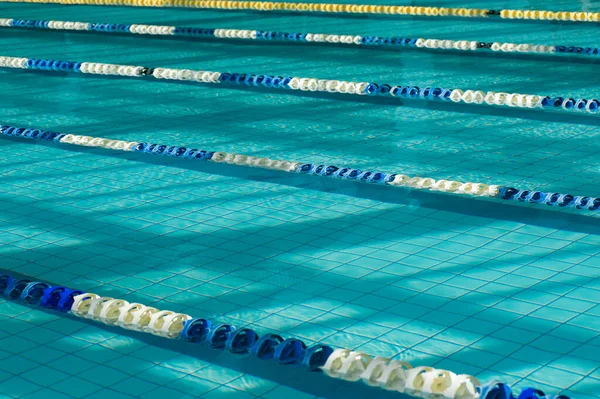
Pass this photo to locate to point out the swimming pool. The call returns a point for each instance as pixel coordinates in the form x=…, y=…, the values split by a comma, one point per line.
x=498, y=290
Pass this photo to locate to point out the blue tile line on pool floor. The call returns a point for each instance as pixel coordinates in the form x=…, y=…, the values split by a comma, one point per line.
x=511, y=100
x=356, y=40
x=380, y=372
x=373, y=177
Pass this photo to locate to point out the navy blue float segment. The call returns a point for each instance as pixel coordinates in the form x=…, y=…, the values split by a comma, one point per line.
x=195, y=330
x=577, y=50
x=265, y=346
x=550, y=199
x=500, y=390
x=316, y=356
x=29, y=23
x=276, y=82
x=373, y=177
x=33, y=292
x=247, y=341
x=194, y=31
x=290, y=351
x=173, y=151
x=110, y=28
x=241, y=341
x=34, y=134
x=53, y=65
x=59, y=298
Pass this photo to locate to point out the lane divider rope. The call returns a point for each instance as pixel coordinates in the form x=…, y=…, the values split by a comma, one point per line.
x=510, y=100
x=257, y=35
x=333, y=8
x=344, y=364
x=344, y=173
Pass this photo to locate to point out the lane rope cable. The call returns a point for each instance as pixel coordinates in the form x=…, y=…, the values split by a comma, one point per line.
x=344, y=364
x=478, y=97
x=345, y=173
x=258, y=35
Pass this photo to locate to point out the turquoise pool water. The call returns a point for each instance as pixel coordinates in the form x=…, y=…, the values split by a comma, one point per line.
x=497, y=290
